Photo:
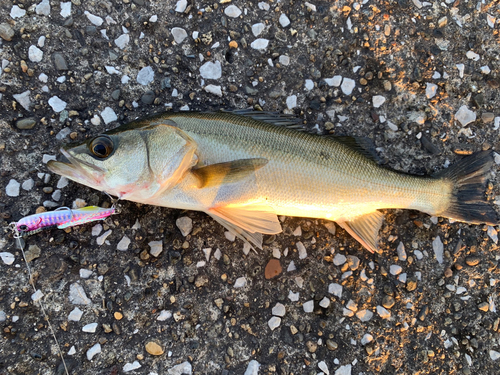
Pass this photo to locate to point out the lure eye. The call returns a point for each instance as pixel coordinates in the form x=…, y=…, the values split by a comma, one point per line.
x=23, y=227
x=101, y=147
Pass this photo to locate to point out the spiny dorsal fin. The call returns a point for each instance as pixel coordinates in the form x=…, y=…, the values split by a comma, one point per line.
x=365, y=229
x=228, y=172
x=273, y=118
x=363, y=145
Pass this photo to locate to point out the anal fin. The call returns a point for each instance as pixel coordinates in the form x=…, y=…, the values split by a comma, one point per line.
x=365, y=229
x=247, y=221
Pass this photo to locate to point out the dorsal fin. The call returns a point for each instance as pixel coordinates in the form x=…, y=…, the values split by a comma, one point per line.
x=363, y=145
x=273, y=118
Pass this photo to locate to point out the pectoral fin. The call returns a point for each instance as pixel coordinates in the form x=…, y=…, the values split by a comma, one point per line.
x=247, y=221
x=365, y=229
x=228, y=172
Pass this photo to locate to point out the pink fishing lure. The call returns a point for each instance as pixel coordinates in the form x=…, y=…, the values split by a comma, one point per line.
x=61, y=218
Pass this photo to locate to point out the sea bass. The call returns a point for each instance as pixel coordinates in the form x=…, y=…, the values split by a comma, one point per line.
x=244, y=170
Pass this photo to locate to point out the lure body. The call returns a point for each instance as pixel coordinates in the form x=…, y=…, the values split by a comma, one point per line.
x=62, y=218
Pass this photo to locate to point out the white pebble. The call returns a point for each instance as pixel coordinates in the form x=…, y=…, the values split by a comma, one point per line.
x=75, y=315
x=101, y=239
x=72, y=350
x=96, y=230
x=28, y=184
x=366, y=339
x=253, y=365
x=284, y=21
x=164, y=315
x=259, y=44
x=291, y=101
x=258, y=28
x=7, y=258
x=133, y=366
x=291, y=267
x=485, y=69
x=494, y=355
x=493, y=234
x=62, y=183
x=335, y=289
x=156, y=247
x=240, y=282
x=66, y=9
x=465, y=116
x=17, y=12
x=37, y=296
x=108, y=115
x=213, y=89
x=325, y=302
x=185, y=225
x=145, y=76
x=335, y=81
x=309, y=84
x=43, y=9
x=364, y=315
x=112, y=70
x=77, y=295
x=347, y=86
x=383, y=313
x=302, y=250
x=274, y=323
x=24, y=99
x=232, y=11
x=3, y=316
x=211, y=70
x=401, y=252
x=438, y=248
x=472, y=55
x=323, y=367
x=123, y=244
x=284, y=60
x=153, y=18
x=35, y=54
x=402, y=278
x=12, y=188
x=394, y=269
x=57, y=104
x=122, y=41
x=181, y=6
x=418, y=254
x=339, y=259
x=276, y=253
x=430, y=90
x=263, y=6
x=461, y=68
x=43, y=77
x=85, y=273
x=96, y=349
x=310, y=6
x=90, y=328
x=294, y=297
x=308, y=306
x=179, y=34
x=95, y=20
x=378, y=100
x=279, y=309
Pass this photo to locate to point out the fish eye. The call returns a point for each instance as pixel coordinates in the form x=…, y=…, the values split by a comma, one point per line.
x=23, y=227
x=101, y=147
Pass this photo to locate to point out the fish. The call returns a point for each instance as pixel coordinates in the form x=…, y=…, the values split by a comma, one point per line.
x=245, y=168
x=62, y=218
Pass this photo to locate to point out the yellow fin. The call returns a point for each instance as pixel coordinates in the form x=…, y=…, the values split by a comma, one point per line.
x=245, y=221
x=228, y=172
x=365, y=229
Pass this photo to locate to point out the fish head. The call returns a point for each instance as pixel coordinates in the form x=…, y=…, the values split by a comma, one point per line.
x=133, y=164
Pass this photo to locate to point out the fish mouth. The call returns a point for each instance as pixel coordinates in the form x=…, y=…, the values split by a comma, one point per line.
x=76, y=169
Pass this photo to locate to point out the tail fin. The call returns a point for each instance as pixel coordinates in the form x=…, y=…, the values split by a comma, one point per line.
x=469, y=203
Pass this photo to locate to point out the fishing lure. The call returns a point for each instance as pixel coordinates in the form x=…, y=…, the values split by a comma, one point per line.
x=62, y=218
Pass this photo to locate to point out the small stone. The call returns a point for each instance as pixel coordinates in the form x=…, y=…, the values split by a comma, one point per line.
x=153, y=348
x=240, y=282
x=430, y=90
x=156, y=248
x=308, y=306
x=60, y=61
x=213, y=89
x=331, y=345
x=383, y=313
x=472, y=260
x=309, y=85
x=43, y=8
x=366, y=339
x=24, y=99
x=145, y=76
x=26, y=123
x=96, y=349
x=95, y=20
x=65, y=9
x=185, y=225
x=291, y=101
x=344, y=370
x=131, y=366
x=348, y=85
x=335, y=81
x=258, y=28
x=181, y=6
x=323, y=367
x=108, y=115
x=77, y=295
x=90, y=328
x=17, y=12
x=123, y=244
x=28, y=184
x=488, y=117
x=12, y=189
x=274, y=322
x=279, y=310
x=252, y=368
x=302, y=250
x=33, y=253
x=378, y=100
x=122, y=41
x=364, y=315
x=465, y=116
x=483, y=306
x=395, y=269
x=472, y=55
x=273, y=269
x=311, y=346
x=211, y=70
x=325, y=302
x=388, y=302
x=148, y=97
x=438, y=248
x=164, y=315
x=75, y=315
x=57, y=104
x=494, y=355
x=179, y=34
x=401, y=252
x=232, y=11
x=335, y=289
x=6, y=32
x=284, y=60
x=260, y=44
x=284, y=21
x=7, y=258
